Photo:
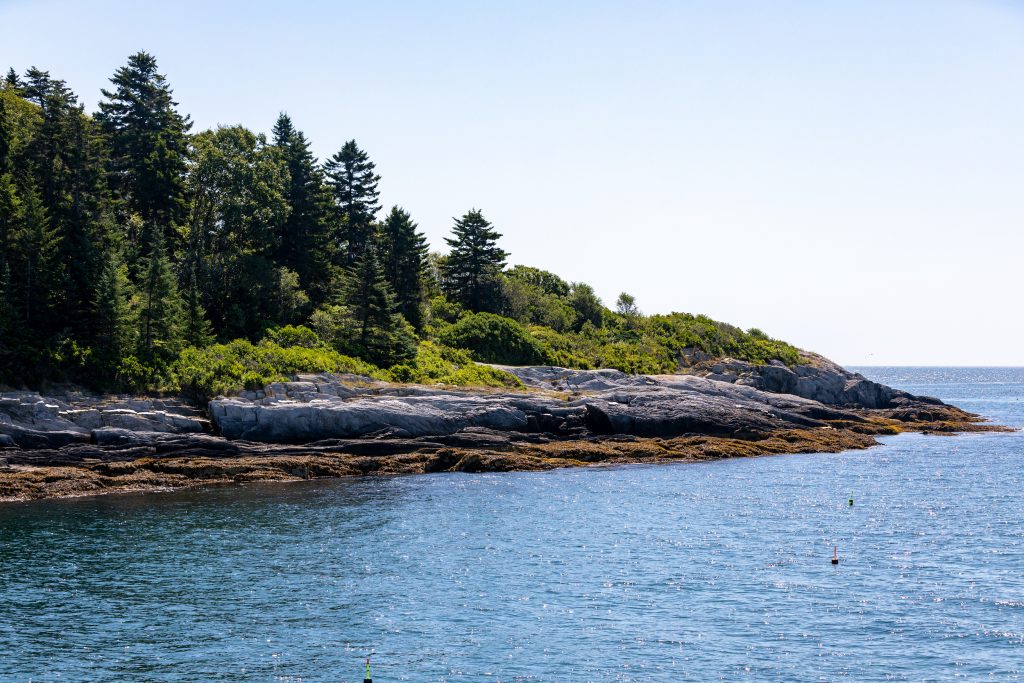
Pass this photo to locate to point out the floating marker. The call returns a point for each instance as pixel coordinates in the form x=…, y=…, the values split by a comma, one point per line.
x=851, y=502
x=835, y=558
x=367, y=678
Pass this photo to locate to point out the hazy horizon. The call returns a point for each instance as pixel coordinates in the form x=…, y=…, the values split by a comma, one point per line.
x=846, y=178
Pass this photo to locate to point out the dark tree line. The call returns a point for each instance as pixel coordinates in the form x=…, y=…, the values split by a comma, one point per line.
x=125, y=237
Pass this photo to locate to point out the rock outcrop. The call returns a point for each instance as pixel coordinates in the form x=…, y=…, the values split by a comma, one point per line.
x=603, y=402
x=326, y=425
x=819, y=379
x=30, y=420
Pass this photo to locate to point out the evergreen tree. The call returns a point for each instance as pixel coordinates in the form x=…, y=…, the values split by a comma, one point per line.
x=10, y=208
x=303, y=245
x=366, y=325
x=113, y=319
x=35, y=267
x=9, y=367
x=67, y=155
x=148, y=142
x=161, y=314
x=198, y=330
x=405, y=263
x=474, y=264
x=36, y=86
x=12, y=80
x=354, y=188
x=18, y=122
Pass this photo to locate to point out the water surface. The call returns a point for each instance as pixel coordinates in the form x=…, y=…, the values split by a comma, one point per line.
x=711, y=571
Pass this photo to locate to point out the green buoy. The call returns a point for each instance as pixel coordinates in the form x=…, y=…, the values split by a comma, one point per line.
x=367, y=678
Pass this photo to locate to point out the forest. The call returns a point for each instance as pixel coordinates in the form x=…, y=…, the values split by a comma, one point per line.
x=139, y=255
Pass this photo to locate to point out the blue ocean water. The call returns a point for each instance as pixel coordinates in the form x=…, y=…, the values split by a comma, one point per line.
x=711, y=571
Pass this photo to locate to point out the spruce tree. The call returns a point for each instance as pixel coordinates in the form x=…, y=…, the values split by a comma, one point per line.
x=36, y=86
x=36, y=268
x=474, y=264
x=161, y=314
x=9, y=366
x=377, y=333
x=354, y=187
x=67, y=155
x=12, y=80
x=303, y=245
x=148, y=142
x=198, y=331
x=10, y=208
x=113, y=319
x=405, y=263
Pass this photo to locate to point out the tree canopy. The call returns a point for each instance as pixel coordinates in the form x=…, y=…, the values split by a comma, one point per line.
x=136, y=254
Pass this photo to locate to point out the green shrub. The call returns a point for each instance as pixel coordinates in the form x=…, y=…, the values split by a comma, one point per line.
x=493, y=339
x=565, y=350
x=293, y=335
x=382, y=344
x=441, y=309
x=228, y=368
x=436, y=364
x=132, y=375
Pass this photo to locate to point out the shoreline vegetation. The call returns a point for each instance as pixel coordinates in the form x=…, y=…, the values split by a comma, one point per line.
x=139, y=256
x=220, y=306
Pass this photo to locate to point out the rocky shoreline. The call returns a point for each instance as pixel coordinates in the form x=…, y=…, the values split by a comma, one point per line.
x=72, y=443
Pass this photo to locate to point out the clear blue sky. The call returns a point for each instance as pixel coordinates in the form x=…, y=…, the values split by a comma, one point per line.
x=847, y=176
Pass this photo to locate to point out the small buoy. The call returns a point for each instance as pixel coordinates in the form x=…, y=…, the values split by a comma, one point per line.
x=851, y=502
x=367, y=678
x=835, y=555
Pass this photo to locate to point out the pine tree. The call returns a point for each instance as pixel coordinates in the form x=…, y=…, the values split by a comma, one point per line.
x=405, y=263
x=354, y=187
x=377, y=333
x=472, y=269
x=303, y=244
x=148, y=142
x=161, y=315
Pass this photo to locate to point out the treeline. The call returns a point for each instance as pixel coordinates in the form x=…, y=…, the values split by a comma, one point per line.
x=131, y=246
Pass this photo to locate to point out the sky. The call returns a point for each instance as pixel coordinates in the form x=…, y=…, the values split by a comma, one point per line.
x=847, y=176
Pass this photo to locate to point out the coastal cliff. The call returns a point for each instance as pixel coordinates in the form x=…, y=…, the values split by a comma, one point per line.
x=323, y=425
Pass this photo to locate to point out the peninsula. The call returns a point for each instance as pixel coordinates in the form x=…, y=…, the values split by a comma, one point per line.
x=182, y=308
x=324, y=425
